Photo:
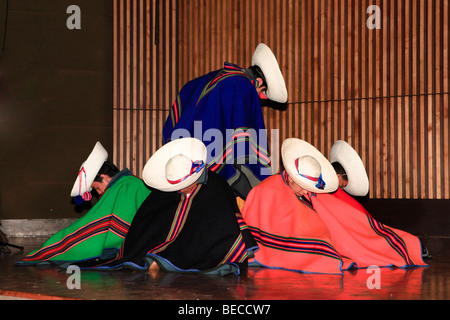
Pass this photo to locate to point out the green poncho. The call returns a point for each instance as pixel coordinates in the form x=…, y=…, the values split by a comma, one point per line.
x=99, y=233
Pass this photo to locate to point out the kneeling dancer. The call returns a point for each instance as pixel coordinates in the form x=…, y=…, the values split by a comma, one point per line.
x=189, y=223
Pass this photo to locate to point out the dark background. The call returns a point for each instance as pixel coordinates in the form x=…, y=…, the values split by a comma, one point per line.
x=55, y=102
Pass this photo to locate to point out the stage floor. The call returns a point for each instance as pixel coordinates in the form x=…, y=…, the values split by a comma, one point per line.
x=51, y=283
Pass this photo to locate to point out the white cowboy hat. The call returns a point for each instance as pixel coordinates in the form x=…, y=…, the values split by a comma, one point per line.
x=308, y=167
x=264, y=58
x=358, y=181
x=176, y=165
x=88, y=171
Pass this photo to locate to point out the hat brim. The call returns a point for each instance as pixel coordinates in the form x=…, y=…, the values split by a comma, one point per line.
x=264, y=58
x=293, y=149
x=358, y=181
x=154, y=173
x=91, y=166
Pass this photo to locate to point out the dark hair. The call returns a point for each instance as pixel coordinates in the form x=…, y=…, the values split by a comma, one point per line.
x=339, y=169
x=257, y=73
x=107, y=168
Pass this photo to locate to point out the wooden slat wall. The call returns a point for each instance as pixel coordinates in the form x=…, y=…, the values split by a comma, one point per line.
x=145, y=75
x=385, y=91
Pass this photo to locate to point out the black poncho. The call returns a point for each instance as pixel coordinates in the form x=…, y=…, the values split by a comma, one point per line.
x=201, y=232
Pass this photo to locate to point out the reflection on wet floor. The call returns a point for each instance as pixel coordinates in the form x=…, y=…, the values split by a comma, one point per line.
x=428, y=283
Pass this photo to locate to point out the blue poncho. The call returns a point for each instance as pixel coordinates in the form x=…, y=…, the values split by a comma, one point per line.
x=223, y=109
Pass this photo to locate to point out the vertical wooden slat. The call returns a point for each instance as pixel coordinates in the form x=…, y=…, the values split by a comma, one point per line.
x=121, y=87
x=418, y=138
x=115, y=74
x=445, y=96
x=148, y=43
x=437, y=33
x=144, y=78
x=399, y=19
x=392, y=73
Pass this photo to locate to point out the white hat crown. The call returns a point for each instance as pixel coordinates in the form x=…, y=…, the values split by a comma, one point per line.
x=180, y=167
x=176, y=165
x=308, y=167
x=88, y=171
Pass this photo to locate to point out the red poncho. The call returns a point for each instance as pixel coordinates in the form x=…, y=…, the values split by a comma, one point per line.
x=289, y=232
x=357, y=235
x=328, y=235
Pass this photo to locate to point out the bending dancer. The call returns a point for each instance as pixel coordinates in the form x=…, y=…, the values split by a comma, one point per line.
x=282, y=219
x=285, y=232
x=354, y=232
x=101, y=231
x=227, y=102
x=189, y=223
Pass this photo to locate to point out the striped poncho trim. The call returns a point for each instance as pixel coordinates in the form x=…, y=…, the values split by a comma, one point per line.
x=237, y=252
x=240, y=135
x=299, y=245
x=179, y=220
x=109, y=223
x=175, y=111
x=242, y=224
x=229, y=70
x=392, y=239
